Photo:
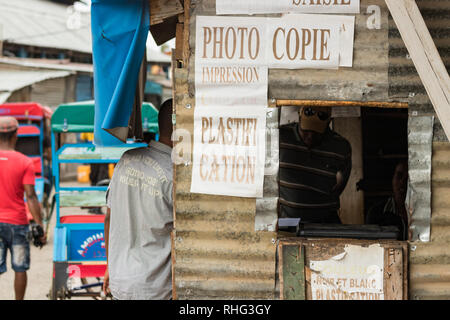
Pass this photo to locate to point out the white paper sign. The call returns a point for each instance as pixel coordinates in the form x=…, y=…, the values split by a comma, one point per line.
x=356, y=274
x=232, y=58
x=229, y=150
x=286, y=6
x=346, y=39
x=290, y=42
x=231, y=82
x=303, y=41
x=230, y=63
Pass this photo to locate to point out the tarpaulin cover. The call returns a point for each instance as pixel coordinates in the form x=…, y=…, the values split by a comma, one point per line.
x=119, y=35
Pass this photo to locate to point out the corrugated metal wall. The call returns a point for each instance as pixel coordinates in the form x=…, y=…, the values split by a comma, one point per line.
x=404, y=82
x=218, y=254
x=84, y=87
x=367, y=80
x=55, y=91
x=429, y=262
x=217, y=251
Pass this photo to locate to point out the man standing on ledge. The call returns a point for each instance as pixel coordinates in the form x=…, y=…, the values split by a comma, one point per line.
x=315, y=164
x=139, y=220
x=16, y=178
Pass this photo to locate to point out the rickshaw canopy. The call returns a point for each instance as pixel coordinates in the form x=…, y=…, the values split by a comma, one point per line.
x=25, y=111
x=79, y=117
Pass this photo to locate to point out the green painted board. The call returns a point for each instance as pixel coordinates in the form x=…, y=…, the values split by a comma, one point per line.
x=100, y=153
x=82, y=198
x=79, y=117
x=293, y=272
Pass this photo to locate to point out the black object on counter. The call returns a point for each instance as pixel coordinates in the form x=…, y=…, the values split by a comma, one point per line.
x=369, y=232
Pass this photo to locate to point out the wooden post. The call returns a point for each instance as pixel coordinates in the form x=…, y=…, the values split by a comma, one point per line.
x=163, y=9
x=352, y=200
x=292, y=271
x=424, y=55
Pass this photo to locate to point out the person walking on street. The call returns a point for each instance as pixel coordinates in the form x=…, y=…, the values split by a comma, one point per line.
x=16, y=178
x=139, y=220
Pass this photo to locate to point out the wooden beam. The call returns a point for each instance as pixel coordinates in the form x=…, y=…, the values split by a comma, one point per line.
x=321, y=103
x=424, y=55
x=179, y=42
x=161, y=10
x=186, y=35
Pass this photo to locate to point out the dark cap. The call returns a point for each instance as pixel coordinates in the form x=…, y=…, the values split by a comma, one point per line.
x=315, y=118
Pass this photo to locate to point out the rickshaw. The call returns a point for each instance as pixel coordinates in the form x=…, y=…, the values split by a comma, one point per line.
x=79, y=255
x=32, y=139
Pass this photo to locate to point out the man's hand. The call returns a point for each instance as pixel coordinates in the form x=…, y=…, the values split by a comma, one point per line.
x=105, y=288
x=39, y=236
x=43, y=239
x=339, y=183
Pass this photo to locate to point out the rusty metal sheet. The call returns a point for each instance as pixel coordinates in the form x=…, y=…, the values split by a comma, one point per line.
x=224, y=265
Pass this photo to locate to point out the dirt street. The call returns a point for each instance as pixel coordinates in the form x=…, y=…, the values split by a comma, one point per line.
x=39, y=275
x=40, y=272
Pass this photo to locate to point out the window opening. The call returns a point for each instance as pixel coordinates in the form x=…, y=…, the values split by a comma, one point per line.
x=375, y=186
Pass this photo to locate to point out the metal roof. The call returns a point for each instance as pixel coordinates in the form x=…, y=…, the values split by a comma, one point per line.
x=43, y=24
x=54, y=64
x=13, y=79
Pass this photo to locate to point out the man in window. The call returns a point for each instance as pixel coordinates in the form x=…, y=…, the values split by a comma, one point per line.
x=315, y=164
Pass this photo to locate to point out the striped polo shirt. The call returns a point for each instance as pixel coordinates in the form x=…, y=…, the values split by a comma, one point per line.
x=307, y=176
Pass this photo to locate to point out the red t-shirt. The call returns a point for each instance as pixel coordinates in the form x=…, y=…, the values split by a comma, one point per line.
x=16, y=170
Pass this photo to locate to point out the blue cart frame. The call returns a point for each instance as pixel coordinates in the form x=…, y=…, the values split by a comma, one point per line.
x=79, y=245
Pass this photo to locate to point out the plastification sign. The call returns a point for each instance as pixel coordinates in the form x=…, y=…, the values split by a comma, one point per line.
x=231, y=82
x=355, y=274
